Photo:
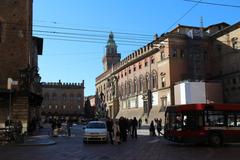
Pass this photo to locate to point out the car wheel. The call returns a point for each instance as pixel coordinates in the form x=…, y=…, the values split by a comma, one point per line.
x=215, y=140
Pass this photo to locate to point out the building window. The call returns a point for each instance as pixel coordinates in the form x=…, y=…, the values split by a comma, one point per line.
x=71, y=97
x=162, y=55
x=64, y=107
x=64, y=97
x=129, y=71
x=140, y=84
x=163, y=103
x=135, y=85
x=130, y=87
x=205, y=55
x=163, y=82
x=139, y=65
x=1, y=31
x=46, y=97
x=152, y=60
x=54, y=98
x=234, y=81
x=79, y=96
x=154, y=80
x=147, y=82
x=219, y=48
x=234, y=42
x=125, y=89
x=122, y=91
x=174, y=54
x=134, y=68
x=182, y=55
x=146, y=63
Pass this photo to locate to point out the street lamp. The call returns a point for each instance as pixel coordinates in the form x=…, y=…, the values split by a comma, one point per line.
x=9, y=87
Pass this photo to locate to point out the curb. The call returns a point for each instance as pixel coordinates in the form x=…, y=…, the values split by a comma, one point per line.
x=37, y=144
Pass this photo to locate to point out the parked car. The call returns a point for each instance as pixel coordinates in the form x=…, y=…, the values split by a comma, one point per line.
x=95, y=131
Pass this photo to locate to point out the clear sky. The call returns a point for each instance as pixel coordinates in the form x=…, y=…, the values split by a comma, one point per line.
x=75, y=32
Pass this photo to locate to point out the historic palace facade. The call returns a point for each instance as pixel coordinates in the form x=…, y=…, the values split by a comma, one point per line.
x=142, y=84
x=62, y=99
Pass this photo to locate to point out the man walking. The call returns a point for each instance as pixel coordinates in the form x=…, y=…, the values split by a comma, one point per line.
x=69, y=124
x=134, y=128
x=110, y=129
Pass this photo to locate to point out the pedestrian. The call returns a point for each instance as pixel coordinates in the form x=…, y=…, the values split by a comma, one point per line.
x=123, y=126
x=125, y=122
x=152, y=129
x=69, y=124
x=129, y=126
x=116, y=131
x=146, y=120
x=159, y=126
x=140, y=123
x=54, y=128
x=110, y=129
x=134, y=128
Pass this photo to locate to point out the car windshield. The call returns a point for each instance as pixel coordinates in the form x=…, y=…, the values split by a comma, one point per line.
x=96, y=125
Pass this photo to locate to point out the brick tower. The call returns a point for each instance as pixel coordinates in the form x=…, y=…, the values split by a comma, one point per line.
x=111, y=56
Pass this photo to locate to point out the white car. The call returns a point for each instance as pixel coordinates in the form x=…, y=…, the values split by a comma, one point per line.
x=95, y=131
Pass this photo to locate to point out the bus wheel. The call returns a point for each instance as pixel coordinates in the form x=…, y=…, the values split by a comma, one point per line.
x=215, y=140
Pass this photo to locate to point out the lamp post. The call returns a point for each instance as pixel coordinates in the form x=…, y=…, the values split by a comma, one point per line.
x=9, y=87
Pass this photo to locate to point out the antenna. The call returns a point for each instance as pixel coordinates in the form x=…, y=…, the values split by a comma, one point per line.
x=201, y=26
x=201, y=21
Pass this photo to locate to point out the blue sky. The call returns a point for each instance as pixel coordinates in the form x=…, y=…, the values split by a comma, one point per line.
x=92, y=20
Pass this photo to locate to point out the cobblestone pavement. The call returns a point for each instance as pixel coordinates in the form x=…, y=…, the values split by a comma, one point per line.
x=144, y=148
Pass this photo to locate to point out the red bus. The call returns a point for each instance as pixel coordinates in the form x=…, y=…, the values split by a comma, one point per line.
x=199, y=123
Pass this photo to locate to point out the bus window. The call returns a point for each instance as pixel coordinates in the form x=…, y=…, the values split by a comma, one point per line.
x=238, y=120
x=231, y=120
x=173, y=121
x=178, y=121
x=192, y=120
x=215, y=118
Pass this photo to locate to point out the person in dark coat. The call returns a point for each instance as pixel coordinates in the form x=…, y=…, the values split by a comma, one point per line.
x=152, y=129
x=129, y=126
x=159, y=126
x=69, y=125
x=134, y=128
x=109, y=124
x=123, y=125
x=140, y=123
